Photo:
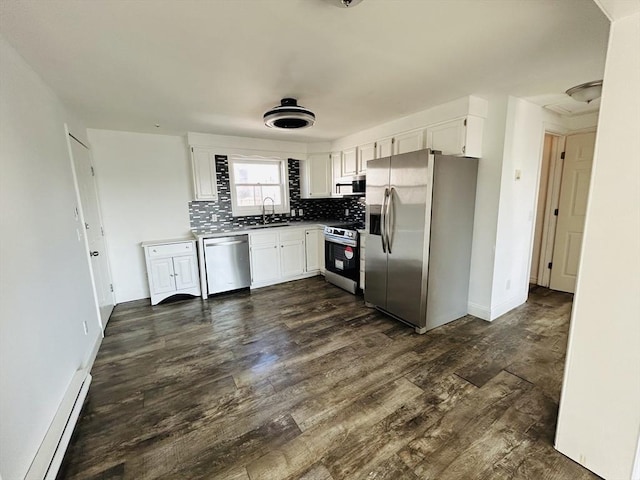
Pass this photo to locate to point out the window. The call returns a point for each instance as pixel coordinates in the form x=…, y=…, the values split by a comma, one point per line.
x=254, y=179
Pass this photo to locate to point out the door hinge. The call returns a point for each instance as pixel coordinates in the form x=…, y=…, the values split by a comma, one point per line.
x=464, y=149
x=393, y=140
x=465, y=122
x=550, y=265
x=191, y=149
x=562, y=156
x=93, y=172
x=555, y=212
x=111, y=286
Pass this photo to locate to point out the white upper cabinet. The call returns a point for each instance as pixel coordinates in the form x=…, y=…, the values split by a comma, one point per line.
x=203, y=163
x=336, y=173
x=408, y=142
x=365, y=153
x=315, y=176
x=461, y=137
x=384, y=147
x=349, y=162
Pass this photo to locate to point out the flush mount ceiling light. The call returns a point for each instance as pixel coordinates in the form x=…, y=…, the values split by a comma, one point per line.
x=346, y=3
x=586, y=92
x=289, y=115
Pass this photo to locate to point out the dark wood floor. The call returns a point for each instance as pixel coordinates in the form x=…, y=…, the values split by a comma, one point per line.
x=301, y=381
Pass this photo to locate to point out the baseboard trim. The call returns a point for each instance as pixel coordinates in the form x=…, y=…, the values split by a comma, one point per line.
x=49, y=457
x=507, y=306
x=480, y=311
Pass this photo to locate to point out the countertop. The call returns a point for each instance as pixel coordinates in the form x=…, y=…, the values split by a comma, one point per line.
x=243, y=230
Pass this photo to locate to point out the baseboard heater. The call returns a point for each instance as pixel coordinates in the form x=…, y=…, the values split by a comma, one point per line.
x=49, y=457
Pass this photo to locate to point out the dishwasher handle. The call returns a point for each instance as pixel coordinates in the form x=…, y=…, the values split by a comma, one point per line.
x=220, y=244
x=226, y=241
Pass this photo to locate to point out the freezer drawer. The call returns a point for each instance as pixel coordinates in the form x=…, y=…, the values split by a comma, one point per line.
x=227, y=263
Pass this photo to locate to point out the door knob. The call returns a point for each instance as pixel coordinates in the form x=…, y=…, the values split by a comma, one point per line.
x=94, y=254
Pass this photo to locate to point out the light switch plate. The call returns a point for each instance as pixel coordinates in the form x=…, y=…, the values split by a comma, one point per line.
x=300, y=212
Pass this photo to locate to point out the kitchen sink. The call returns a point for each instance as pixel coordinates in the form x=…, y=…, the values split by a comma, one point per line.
x=270, y=225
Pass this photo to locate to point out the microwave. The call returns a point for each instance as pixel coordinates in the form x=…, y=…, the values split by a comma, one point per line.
x=358, y=186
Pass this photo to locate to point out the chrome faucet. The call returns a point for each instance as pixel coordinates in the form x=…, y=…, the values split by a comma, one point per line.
x=273, y=209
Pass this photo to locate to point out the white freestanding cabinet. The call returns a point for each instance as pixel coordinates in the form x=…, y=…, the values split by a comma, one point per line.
x=172, y=268
x=203, y=163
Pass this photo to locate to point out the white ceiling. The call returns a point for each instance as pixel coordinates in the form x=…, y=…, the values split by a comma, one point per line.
x=216, y=66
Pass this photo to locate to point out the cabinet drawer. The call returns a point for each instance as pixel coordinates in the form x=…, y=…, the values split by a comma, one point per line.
x=171, y=249
x=291, y=235
x=263, y=238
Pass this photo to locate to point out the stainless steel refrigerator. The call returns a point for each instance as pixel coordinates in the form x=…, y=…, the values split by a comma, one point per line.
x=420, y=210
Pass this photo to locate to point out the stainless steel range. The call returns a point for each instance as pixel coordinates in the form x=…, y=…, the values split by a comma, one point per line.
x=342, y=256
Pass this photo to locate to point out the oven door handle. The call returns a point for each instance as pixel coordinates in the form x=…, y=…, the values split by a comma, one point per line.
x=383, y=220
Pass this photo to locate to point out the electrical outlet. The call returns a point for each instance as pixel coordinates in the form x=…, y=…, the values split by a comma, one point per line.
x=293, y=212
x=300, y=212
x=346, y=211
x=214, y=217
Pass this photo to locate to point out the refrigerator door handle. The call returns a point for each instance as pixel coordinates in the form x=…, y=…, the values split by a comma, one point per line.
x=383, y=220
x=387, y=216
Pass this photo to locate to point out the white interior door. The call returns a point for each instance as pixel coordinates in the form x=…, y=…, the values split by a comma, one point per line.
x=90, y=212
x=574, y=191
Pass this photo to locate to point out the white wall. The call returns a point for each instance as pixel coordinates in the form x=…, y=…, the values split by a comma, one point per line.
x=524, y=138
x=145, y=186
x=45, y=281
x=599, y=418
x=486, y=213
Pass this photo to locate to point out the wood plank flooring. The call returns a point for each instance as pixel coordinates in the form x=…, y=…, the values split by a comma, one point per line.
x=301, y=381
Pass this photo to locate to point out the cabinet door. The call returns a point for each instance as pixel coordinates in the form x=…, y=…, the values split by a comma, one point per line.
x=365, y=153
x=204, y=174
x=384, y=148
x=319, y=175
x=312, y=249
x=265, y=263
x=291, y=258
x=447, y=137
x=349, y=162
x=162, y=279
x=336, y=172
x=185, y=271
x=461, y=137
x=409, y=142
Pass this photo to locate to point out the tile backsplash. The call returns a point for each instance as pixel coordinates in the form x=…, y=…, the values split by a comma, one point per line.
x=200, y=213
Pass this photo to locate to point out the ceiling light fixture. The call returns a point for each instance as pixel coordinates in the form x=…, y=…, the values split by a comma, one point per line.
x=586, y=92
x=346, y=3
x=289, y=115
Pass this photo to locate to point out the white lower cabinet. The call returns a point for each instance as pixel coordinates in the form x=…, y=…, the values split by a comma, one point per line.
x=363, y=243
x=172, y=268
x=314, y=250
x=283, y=255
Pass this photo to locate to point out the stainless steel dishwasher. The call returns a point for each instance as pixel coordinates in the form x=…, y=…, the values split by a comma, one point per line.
x=227, y=263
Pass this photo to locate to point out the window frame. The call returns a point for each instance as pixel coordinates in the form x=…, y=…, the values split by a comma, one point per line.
x=245, y=211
